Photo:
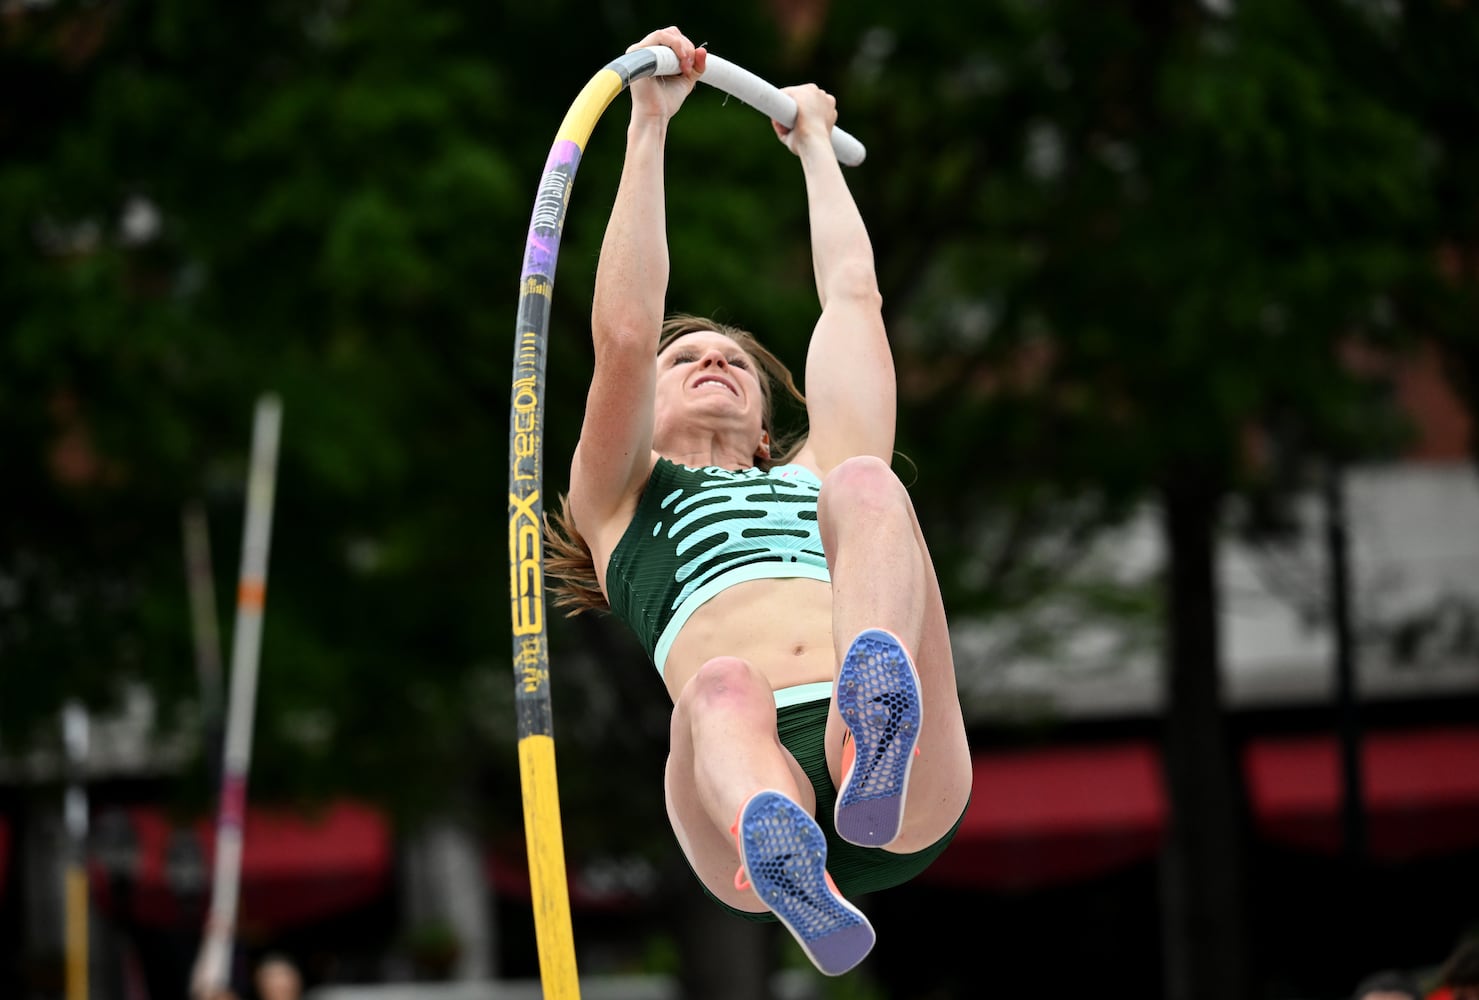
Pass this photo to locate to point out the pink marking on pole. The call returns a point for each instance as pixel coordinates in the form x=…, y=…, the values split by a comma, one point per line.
x=233, y=800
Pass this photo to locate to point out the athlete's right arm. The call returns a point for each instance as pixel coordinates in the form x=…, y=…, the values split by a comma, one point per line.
x=614, y=454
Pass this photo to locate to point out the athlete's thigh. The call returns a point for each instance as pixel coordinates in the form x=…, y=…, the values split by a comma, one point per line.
x=940, y=782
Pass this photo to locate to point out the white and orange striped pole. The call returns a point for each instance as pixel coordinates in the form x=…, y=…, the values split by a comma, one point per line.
x=213, y=964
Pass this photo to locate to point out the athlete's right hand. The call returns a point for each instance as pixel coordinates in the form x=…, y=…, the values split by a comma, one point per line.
x=662, y=96
x=816, y=113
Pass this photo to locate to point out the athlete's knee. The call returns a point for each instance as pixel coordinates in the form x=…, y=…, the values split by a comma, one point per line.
x=728, y=692
x=726, y=681
x=864, y=486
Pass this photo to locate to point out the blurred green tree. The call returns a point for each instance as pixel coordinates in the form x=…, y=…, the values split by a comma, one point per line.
x=209, y=205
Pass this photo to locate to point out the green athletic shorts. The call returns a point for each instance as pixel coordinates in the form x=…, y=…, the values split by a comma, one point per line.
x=856, y=870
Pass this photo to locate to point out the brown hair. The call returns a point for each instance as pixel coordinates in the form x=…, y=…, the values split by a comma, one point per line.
x=568, y=563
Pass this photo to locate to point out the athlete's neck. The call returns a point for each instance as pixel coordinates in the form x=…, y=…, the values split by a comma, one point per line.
x=703, y=451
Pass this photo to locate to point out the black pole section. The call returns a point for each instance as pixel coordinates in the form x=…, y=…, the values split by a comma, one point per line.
x=1353, y=811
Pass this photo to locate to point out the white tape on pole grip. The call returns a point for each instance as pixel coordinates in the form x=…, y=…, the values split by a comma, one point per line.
x=764, y=97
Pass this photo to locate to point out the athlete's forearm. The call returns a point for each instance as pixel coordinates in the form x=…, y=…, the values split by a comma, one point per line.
x=842, y=253
x=632, y=273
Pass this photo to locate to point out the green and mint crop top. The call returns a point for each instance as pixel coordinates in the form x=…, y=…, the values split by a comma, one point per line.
x=697, y=532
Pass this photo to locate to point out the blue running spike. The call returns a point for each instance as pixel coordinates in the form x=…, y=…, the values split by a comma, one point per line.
x=784, y=854
x=879, y=699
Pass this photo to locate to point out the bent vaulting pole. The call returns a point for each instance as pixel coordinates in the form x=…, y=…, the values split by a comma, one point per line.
x=541, y=801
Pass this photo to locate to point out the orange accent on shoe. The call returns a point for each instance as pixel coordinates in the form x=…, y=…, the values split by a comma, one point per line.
x=741, y=880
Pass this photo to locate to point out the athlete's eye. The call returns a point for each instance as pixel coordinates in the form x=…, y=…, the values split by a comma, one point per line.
x=739, y=362
x=684, y=357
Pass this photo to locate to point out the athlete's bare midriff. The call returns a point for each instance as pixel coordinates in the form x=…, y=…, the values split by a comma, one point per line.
x=782, y=627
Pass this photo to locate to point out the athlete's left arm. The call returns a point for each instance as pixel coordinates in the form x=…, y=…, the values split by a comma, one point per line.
x=850, y=381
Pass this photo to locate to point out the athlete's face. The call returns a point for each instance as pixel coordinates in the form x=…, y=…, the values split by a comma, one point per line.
x=705, y=378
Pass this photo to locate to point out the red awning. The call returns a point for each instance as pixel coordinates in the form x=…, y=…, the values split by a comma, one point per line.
x=295, y=867
x=1044, y=817
x=1037, y=818
x=1420, y=787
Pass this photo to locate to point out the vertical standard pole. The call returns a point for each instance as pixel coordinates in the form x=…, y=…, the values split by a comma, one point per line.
x=74, y=734
x=199, y=579
x=1348, y=698
x=213, y=964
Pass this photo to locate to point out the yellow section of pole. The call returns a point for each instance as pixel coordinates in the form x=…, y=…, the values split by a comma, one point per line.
x=597, y=95
x=77, y=946
x=545, y=842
